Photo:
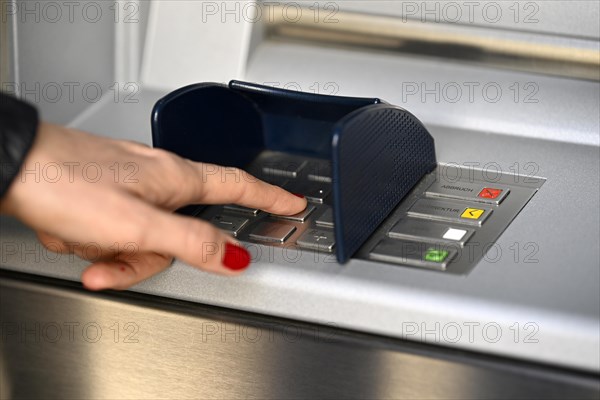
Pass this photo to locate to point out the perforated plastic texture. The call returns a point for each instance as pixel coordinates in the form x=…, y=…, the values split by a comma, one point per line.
x=382, y=151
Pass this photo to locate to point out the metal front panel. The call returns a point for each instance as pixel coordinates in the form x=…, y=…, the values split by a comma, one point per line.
x=557, y=290
x=59, y=341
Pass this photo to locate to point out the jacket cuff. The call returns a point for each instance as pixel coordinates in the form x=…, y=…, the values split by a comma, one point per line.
x=18, y=126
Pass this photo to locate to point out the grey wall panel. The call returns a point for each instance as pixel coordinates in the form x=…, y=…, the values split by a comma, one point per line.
x=65, y=55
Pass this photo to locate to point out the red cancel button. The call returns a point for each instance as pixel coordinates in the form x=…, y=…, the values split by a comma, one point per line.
x=490, y=193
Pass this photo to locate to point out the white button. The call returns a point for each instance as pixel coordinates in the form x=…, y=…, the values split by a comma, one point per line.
x=454, y=234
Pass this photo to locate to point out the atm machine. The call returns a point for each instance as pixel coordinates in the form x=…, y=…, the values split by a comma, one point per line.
x=479, y=278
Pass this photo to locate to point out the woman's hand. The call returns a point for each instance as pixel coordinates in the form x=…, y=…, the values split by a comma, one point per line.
x=82, y=192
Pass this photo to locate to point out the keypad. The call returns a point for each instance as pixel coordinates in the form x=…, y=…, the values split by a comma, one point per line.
x=431, y=228
x=310, y=229
x=450, y=221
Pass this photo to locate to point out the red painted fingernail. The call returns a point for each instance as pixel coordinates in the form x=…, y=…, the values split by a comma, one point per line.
x=298, y=195
x=236, y=257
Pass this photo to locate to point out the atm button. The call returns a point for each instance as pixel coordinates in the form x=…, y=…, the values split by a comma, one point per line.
x=230, y=224
x=449, y=211
x=454, y=234
x=436, y=255
x=472, y=213
x=317, y=239
x=283, y=166
x=470, y=191
x=241, y=209
x=490, y=193
x=412, y=253
x=300, y=217
x=416, y=229
x=326, y=218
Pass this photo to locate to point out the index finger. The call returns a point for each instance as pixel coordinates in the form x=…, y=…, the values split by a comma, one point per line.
x=215, y=184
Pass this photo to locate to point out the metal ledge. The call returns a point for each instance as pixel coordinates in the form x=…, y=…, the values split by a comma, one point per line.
x=60, y=341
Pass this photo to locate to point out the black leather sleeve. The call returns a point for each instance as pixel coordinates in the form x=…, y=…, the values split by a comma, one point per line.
x=18, y=126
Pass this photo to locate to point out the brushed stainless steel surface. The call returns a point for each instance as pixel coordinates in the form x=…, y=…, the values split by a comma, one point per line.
x=61, y=342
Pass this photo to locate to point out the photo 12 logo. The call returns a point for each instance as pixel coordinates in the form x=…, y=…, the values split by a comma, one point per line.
x=72, y=172
x=471, y=332
x=68, y=331
x=269, y=11
x=73, y=92
x=65, y=252
x=54, y=12
x=470, y=92
x=471, y=12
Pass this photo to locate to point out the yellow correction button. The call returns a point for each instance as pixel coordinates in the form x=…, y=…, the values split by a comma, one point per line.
x=472, y=213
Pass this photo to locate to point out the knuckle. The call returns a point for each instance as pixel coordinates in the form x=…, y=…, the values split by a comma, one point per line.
x=165, y=170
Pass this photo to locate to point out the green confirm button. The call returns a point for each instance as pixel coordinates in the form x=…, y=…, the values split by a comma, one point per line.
x=437, y=256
